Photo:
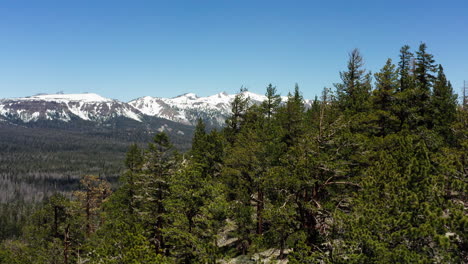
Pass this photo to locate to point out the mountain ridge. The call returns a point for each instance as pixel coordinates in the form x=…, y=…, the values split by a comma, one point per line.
x=186, y=108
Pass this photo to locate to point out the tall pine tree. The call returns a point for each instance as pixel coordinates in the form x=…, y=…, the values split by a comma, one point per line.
x=443, y=105
x=354, y=91
x=384, y=99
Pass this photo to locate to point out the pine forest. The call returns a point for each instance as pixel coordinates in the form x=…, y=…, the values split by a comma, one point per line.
x=374, y=171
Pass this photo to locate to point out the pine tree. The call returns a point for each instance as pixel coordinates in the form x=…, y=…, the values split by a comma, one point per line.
x=400, y=214
x=291, y=117
x=444, y=105
x=124, y=236
x=272, y=102
x=195, y=211
x=384, y=99
x=54, y=232
x=353, y=92
x=404, y=95
x=254, y=151
x=152, y=189
x=404, y=68
x=424, y=69
x=207, y=150
x=243, y=172
x=309, y=173
x=238, y=108
x=200, y=143
x=134, y=162
x=423, y=73
x=134, y=158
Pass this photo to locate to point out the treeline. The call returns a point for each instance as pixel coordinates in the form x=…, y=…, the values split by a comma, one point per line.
x=374, y=171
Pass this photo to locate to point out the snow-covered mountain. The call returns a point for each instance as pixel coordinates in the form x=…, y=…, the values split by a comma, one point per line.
x=184, y=109
x=65, y=107
x=187, y=108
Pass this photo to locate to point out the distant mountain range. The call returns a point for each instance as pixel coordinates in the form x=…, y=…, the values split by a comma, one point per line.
x=185, y=109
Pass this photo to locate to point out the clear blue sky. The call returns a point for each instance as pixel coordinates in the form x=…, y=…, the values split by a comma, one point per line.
x=128, y=49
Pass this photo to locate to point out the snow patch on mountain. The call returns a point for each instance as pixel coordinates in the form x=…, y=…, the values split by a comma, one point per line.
x=185, y=109
x=84, y=97
x=63, y=107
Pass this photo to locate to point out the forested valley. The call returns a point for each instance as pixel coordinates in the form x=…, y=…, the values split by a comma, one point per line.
x=42, y=158
x=375, y=171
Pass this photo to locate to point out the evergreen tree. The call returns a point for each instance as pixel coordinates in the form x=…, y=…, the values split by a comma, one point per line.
x=404, y=68
x=122, y=238
x=196, y=212
x=152, y=189
x=404, y=96
x=291, y=117
x=199, y=140
x=243, y=172
x=207, y=150
x=126, y=235
x=54, y=233
x=134, y=163
x=400, y=214
x=200, y=147
x=444, y=104
x=238, y=108
x=384, y=99
x=423, y=73
x=424, y=69
x=353, y=92
x=272, y=102
x=134, y=158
